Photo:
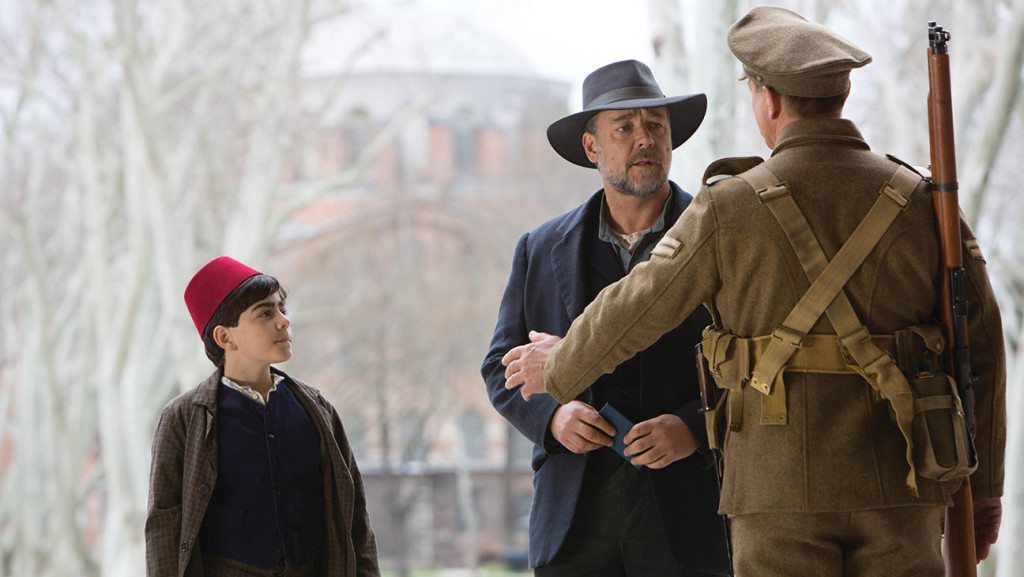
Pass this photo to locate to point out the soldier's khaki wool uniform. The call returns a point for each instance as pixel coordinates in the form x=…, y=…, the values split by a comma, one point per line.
x=817, y=472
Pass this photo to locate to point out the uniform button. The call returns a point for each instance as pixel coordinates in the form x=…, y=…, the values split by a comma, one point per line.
x=279, y=492
x=184, y=545
x=204, y=490
x=271, y=435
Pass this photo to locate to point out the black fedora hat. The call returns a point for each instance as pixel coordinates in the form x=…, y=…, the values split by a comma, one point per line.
x=621, y=86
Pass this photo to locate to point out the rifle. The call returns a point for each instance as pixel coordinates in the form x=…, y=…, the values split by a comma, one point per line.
x=959, y=546
x=709, y=396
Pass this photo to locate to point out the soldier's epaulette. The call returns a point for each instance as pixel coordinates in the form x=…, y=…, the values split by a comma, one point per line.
x=924, y=171
x=724, y=168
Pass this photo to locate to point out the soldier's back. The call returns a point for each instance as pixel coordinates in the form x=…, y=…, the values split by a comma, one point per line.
x=838, y=450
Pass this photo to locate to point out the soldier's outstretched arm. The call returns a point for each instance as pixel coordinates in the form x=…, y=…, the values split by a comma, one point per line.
x=630, y=315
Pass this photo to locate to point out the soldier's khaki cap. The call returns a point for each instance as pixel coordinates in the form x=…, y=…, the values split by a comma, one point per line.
x=780, y=48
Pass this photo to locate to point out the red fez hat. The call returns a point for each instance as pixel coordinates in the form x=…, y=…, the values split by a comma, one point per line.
x=211, y=285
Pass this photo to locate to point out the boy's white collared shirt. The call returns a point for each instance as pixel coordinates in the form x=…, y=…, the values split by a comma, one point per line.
x=250, y=392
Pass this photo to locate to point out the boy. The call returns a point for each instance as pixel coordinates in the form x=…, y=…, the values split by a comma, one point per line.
x=252, y=473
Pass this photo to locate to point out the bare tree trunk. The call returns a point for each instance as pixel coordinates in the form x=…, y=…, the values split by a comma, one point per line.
x=508, y=476
x=470, y=516
x=999, y=108
x=697, y=66
x=103, y=194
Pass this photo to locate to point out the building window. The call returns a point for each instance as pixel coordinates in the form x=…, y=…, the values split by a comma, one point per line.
x=442, y=153
x=355, y=429
x=521, y=448
x=491, y=156
x=474, y=445
x=411, y=432
x=476, y=500
x=358, y=129
x=464, y=133
x=522, y=502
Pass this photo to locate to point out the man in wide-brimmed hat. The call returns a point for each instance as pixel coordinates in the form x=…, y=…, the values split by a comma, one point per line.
x=593, y=512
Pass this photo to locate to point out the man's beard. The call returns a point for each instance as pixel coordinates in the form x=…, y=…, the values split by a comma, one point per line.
x=631, y=186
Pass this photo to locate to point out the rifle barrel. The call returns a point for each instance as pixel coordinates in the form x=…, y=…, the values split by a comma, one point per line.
x=959, y=546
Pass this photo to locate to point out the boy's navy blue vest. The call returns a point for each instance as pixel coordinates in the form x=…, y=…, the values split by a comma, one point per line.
x=267, y=504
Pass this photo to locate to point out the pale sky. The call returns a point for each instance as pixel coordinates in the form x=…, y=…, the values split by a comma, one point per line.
x=563, y=39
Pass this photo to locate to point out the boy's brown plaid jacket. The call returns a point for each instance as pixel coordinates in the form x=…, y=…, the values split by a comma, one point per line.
x=184, y=471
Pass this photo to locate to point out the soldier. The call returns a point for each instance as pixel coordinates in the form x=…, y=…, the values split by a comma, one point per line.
x=827, y=470
x=593, y=514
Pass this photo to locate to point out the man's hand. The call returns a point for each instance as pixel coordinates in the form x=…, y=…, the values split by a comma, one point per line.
x=580, y=428
x=988, y=514
x=659, y=442
x=524, y=365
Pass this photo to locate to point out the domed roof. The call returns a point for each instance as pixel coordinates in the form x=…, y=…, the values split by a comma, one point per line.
x=408, y=39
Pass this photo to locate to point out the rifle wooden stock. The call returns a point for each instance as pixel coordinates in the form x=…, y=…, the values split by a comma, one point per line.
x=959, y=546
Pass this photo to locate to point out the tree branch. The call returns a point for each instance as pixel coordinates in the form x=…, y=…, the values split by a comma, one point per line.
x=302, y=195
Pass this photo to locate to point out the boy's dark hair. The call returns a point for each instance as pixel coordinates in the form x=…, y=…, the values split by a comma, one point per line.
x=251, y=291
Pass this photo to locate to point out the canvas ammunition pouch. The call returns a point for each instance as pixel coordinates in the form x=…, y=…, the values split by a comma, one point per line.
x=901, y=368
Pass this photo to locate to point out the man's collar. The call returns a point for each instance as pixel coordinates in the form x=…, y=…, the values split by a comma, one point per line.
x=583, y=214
x=605, y=232
x=828, y=131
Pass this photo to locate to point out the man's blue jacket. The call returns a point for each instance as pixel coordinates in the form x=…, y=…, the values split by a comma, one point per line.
x=557, y=270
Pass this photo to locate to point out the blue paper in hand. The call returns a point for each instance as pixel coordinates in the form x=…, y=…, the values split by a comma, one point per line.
x=622, y=426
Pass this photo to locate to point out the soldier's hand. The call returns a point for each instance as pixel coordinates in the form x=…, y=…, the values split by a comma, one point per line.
x=659, y=442
x=988, y=514
x=524, y=365
x=580, y=428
